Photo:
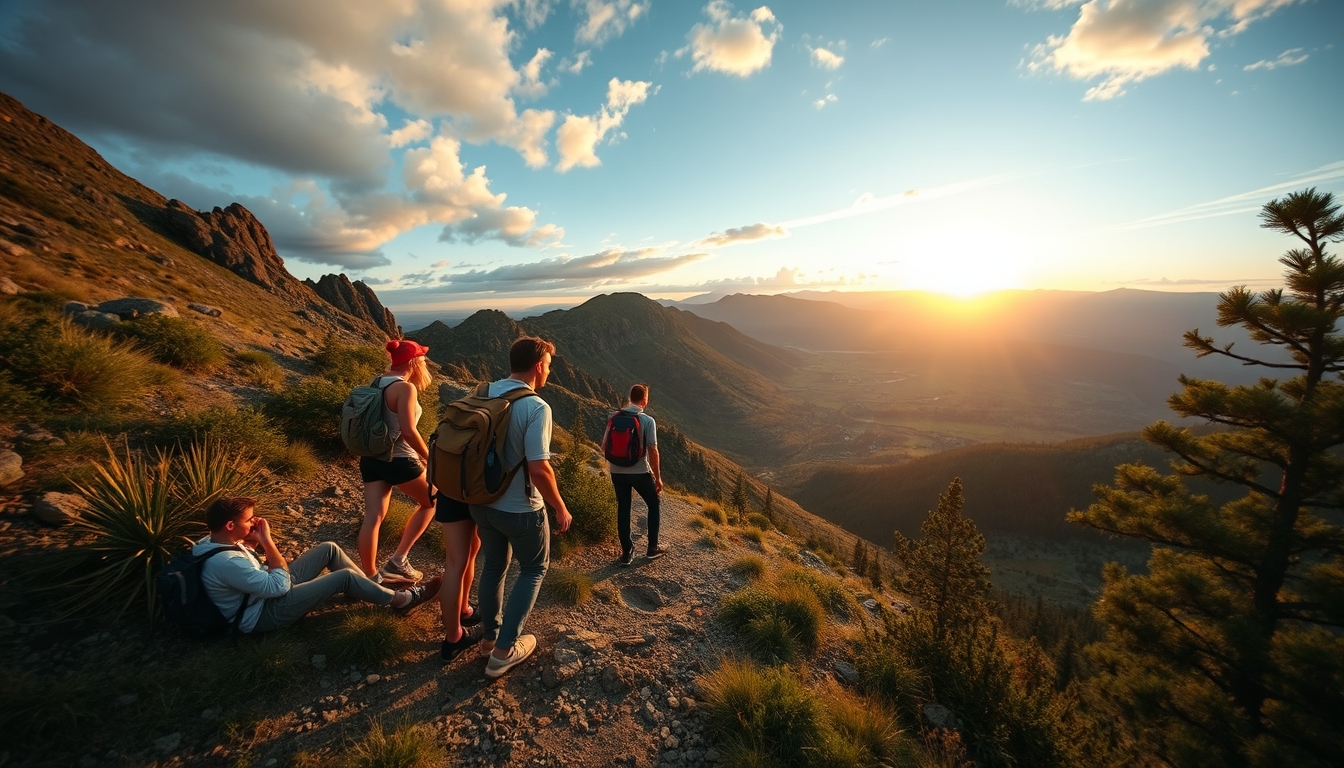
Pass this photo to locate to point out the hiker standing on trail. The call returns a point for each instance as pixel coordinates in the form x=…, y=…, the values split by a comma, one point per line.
x=401, y=384
x=516, y=521
x=257, y=599
x=630, y=445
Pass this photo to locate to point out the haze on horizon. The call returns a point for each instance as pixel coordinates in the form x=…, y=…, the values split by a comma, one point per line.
x=515, y=153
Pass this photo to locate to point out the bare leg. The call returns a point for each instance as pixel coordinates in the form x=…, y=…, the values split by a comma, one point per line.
x=418, y=491
x=376, y=496
x=460, y=544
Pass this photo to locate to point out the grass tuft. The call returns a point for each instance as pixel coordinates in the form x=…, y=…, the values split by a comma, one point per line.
x=173, y=341
x=758, y=520
x=368, y=636
x=749, y=566
x=407, y=746
x=777, y=621
x=260, y=369
x=568, y=586
x=711, y=541
x=754, y=535
x=90, y=371
x=830, y=591
x=714, y=511
x=763, y=716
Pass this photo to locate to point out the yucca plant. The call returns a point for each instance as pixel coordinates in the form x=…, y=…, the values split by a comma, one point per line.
x=209, y=468
x=137, y=521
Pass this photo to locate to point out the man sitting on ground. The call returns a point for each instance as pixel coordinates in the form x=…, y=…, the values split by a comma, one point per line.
x=281, y=593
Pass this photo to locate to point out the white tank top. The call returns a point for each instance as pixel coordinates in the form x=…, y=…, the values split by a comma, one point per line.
x=401, y=448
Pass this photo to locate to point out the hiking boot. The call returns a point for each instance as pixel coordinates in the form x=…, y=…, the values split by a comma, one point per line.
x=523, y=648
x=626, y=558
x=451, y=650
x=470, y=620
x=486, y=648
x=421, y=595
x=399, y=573
x=656, y=552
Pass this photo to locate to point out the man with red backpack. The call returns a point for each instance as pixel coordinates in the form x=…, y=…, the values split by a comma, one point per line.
x=630, y=445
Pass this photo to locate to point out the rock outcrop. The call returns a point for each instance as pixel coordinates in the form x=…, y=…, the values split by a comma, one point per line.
x=234, y=239
x=355, y=298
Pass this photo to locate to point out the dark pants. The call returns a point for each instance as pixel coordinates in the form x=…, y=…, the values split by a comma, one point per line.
x=644, y=484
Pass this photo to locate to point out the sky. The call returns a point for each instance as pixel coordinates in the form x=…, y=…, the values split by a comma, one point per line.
x=460, y=154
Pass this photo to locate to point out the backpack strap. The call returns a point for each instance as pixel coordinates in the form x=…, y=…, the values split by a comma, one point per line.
x=513, y=396
x=237, y=619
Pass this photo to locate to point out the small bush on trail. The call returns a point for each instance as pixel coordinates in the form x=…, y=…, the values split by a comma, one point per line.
x=88, y=371
x=408, y=746
x=173, y=341
x=568, y=586
x=369, y=635
x=714, y=511
x=749, y=566
x=349, y=366
x=700, y=523
x=295, y=460
x=868, y=728
x=764, y=716
x=245, y=429
x=590, y=499
x=754, y=535
x=260, y=369
x=778, y=621
x=711, y=541
x=757, y=520
x=310, y=410
x=830, y=591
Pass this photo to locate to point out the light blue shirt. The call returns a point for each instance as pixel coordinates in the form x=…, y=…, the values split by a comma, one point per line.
x=230, y=575
x=529, y=439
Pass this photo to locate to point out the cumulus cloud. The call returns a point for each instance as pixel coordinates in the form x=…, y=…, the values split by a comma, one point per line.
x=747, y=234
x=614, y=266
x=579, y=135
x=581, y=60
x=1289, y=58
x=1122, y=42
x=531, y=85
x=826, y=58
x=603, y=20
x=735, y=45
x=829, y=98
x=411, y=132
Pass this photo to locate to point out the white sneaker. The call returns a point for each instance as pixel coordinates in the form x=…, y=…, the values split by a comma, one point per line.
x=523, y=648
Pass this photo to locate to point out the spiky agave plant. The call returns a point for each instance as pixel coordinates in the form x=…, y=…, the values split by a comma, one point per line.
x=136, y=521
x=209, y=468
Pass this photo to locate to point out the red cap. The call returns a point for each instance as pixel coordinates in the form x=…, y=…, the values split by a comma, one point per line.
x=404, y=351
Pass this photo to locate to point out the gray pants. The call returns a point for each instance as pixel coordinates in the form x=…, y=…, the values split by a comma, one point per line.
x=504, y=535
x=310, y=590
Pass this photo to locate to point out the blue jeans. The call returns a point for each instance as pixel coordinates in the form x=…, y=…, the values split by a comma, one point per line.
x=643, y=483
x=504, y=535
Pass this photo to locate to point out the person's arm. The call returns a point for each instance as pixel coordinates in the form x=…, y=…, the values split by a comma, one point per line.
x=543, y=479
x=405, y=393
x=243, y=574
x=656, y=468
x=261, y=535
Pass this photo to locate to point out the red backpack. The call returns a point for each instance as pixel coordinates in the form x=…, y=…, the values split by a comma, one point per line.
x=624, y=443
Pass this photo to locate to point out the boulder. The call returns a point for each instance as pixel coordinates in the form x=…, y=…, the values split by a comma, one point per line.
x=75, y=307
x=9, y=287
x=205, y=310
x=846, y=672
x=92, y=318
x=939, y=716
x=11, y=468
x=132, y=307
x=55, y=508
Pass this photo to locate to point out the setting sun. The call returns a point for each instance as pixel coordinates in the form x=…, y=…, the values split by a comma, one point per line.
x=972, y=265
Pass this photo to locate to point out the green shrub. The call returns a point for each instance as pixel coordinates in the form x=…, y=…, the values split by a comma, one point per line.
x=260, y=369
x=777, y=621
x=590, y=499
x=754, y=535
x=568, y=586
x=173, y=341
x=749, y=566
x=88, y=371
x=757, y=520
x=700, y=523
x=867, y=730
x=16, y=398
x=711, y=541
x=349, y=366
x=764, y=717
x=830, y=591
x=714, y=512
x=399, y=511
x=367, y=636
x=408, y=746
x=310, y=410
x=245, y=429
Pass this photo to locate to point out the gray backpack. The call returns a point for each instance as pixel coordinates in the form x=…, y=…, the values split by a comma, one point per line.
x=363, y=429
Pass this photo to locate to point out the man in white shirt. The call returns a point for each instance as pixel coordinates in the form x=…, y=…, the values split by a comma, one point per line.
x=281, y=593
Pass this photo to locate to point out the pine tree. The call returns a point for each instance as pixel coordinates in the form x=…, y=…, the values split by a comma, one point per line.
x=860, y=557
x=943, y=568
x=769, y=510
x=577, y=429
x=738, y=501
x=875, y=569
x=1229, y=651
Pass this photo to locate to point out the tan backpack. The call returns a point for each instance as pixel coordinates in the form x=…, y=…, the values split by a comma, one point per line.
x=466, y=451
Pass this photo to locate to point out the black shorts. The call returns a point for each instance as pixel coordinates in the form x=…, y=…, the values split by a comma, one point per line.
x=448, y=510
x=401, y=469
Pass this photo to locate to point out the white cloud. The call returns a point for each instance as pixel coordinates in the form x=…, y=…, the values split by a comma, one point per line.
x=733, y=45
x=611, y=267
x=879, y=42
x=531, y=85
x=533, y=13
x=1289, y=58
x=606, y=19
x=829, y=98
x=579, y=135
x=412, y=132
x=441, y=264
x=581, y=60
x=1122, y=42
x=826, y=59
x=749, y=233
